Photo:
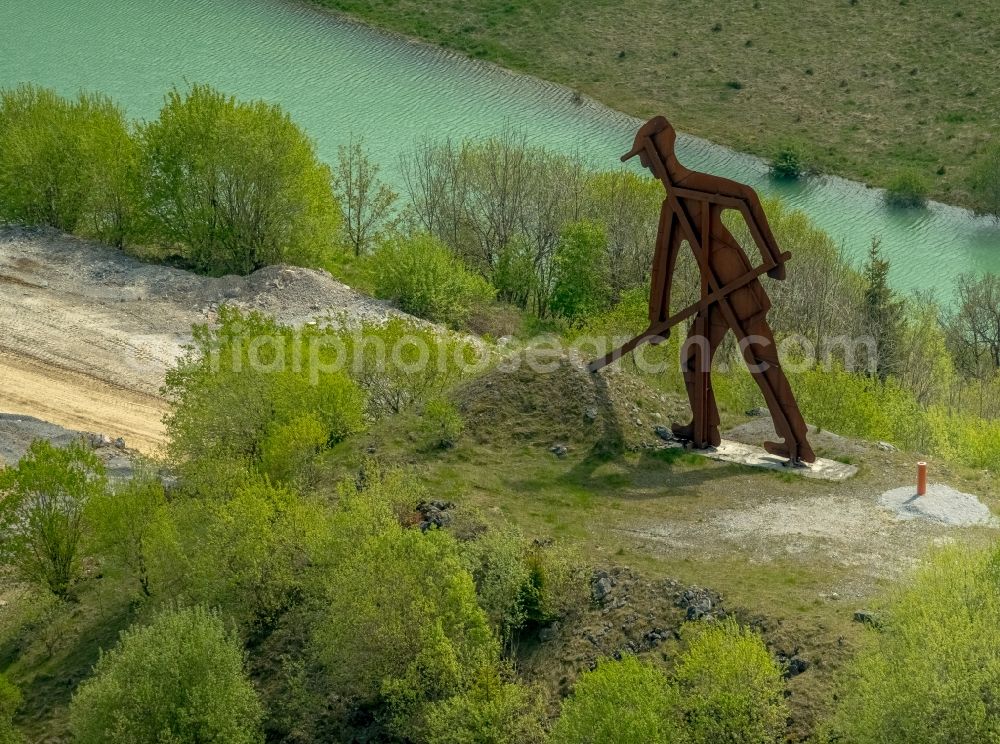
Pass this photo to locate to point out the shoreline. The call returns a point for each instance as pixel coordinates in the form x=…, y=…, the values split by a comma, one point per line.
x=347, y=18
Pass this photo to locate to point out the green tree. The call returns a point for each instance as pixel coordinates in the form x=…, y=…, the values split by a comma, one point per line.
x=124, y=519
x=620, y=702
x=111, y=169
x=581, y=283
x=420, y=274
x=180, y=679
x=883, y=313
x=42, y=503
x=237, y=185
x=69, y=164
x=365, y=201
x=289, y=448
x=985, y=180
x=931, y=672
x=731, y=689
x=399, y=363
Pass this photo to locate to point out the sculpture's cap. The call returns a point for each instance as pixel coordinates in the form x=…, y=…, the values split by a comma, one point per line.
x=650, y=129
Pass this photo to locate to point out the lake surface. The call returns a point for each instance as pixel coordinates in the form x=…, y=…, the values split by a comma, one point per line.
x=337, y=78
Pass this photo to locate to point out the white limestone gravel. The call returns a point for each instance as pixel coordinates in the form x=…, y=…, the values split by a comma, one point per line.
x=941, y=504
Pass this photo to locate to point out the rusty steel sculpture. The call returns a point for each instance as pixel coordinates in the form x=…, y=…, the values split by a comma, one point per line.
x=732, y=297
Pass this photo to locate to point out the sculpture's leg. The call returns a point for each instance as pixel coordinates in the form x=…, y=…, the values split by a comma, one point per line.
x=707, y=332
x=761, y=353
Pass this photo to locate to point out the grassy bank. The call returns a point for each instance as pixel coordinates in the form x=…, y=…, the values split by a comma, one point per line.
x=867, y=89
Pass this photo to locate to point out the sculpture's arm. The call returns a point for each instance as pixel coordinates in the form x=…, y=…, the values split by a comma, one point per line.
x=761, y=230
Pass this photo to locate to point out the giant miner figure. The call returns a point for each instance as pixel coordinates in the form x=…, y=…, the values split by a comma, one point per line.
x=732, y=297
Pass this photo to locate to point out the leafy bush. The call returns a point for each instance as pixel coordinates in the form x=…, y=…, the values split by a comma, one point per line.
x=236, y=185
x=399, y=363
x=906, y=189
x=180, y=679
x=247, y=554
x=420, y=274
x=731, y=689
x=931, y=672
x=620, y=702
x=491, y=712
x=241, y=385
x=289, y=448
x=985, y=181
x=403, y=627
x=581, y=282
x=123, y=520
x=69, y=164
x=42, y=503
x=10, y=700
x=788, y=162
x=498, y=563
x=441, y=424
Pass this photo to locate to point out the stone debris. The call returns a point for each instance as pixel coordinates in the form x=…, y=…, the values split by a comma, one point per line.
x=663, y=432
x=434, y=513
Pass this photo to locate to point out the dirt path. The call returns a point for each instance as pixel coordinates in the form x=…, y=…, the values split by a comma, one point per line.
x=78, y=401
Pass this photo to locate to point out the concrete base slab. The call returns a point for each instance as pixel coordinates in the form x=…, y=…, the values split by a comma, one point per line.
x=941, y=504
x=757, y=457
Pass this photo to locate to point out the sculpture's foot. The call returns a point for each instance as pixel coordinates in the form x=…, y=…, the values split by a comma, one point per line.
x=685, y=432
x=780, y=449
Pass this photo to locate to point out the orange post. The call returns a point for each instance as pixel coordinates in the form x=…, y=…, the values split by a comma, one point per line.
x=921, y=478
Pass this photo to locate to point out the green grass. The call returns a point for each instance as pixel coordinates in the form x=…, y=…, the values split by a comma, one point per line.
x=871, y=89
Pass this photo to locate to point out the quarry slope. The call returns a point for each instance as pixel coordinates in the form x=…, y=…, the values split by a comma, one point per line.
x=88, y=332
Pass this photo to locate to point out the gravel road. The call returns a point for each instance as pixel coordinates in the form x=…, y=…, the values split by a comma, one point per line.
x=88, y=333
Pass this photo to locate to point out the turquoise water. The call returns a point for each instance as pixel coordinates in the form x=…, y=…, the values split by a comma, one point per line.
x=338, y=78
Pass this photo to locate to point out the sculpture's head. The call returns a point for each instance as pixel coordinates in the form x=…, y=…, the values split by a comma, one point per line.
x=661, y=132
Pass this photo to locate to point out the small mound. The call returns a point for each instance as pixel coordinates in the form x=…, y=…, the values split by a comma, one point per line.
x=533, y=400
x=940, y=504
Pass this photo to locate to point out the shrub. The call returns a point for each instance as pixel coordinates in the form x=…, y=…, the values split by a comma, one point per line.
x=239, y=384
x=788, y=162
x=122, y=522
x=69, y=164
x=441, y=424
x=931, y=672
x=620, y=702
x=985, y=181
x=403, y=627
x=289, y=448
x=906, y=189
x=498, y=563
x=247, y=554
x=731, y=689
x=179, y=679
x=10, y=700
x=42, y=504
x=420, y=274
x=581, y=282
x=399, y=363
x=236, y=185
x=491, y=712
